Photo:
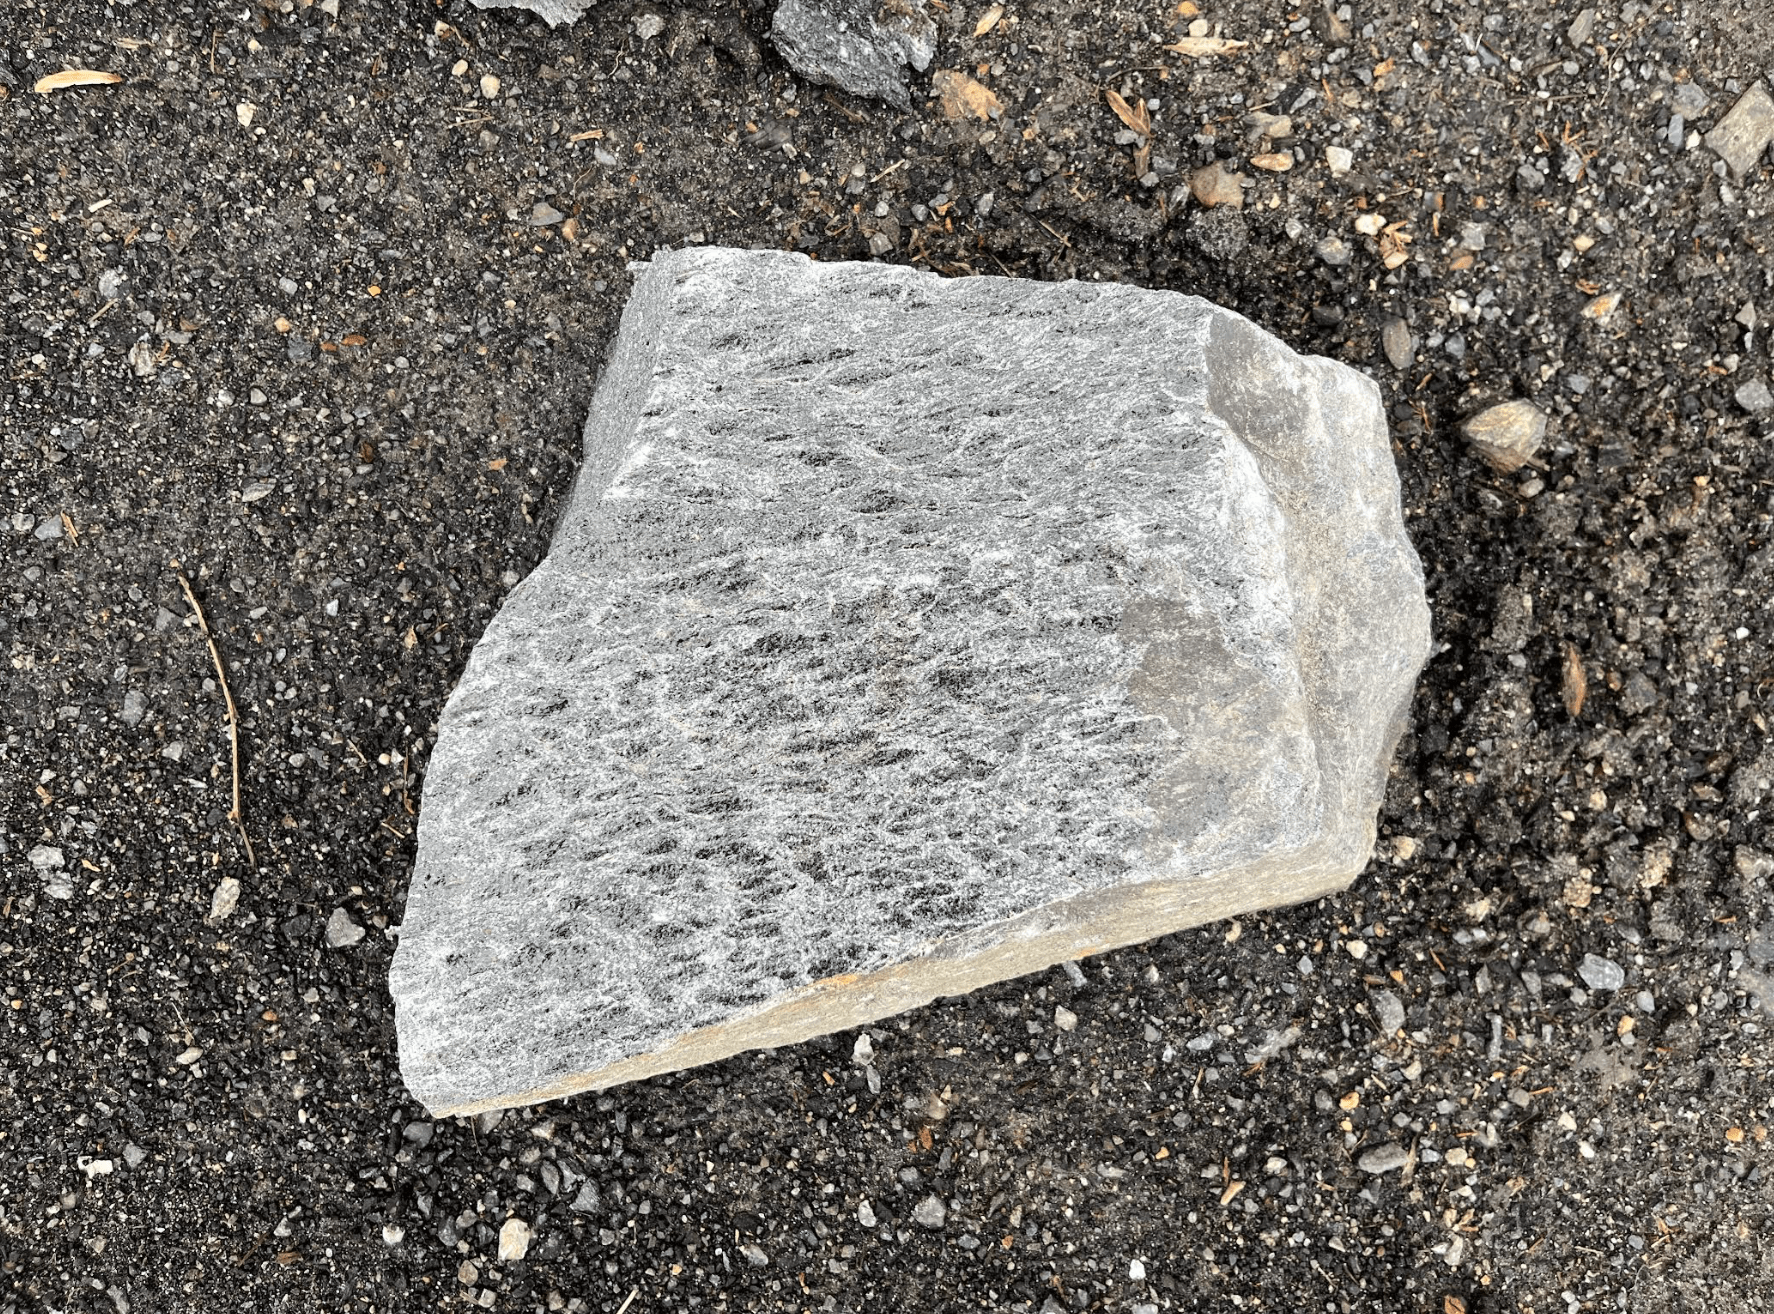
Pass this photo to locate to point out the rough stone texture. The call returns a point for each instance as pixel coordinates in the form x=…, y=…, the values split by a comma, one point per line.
x=1507, y=435
x=901, y=635
x=1744, y=133
x=862, y=46
x=555, y=11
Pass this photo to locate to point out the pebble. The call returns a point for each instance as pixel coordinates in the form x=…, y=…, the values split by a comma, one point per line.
x=1754, y=396
x=1581, y=27
x=188, y=1056
x=863, y=1053
x=1744, y=133
x=1213, y=184
x=1074, y=974
x=1383, y=1158
x=1530, y=178
x=1507, y=435
x=135, y=707
x=341, y=931
x=1065, y=1019
x=543, y=215
x=1388, y=1012
x=1136, y=1271
x=865, y=1214
x=514, y=1240
x=1334, y=251
x=489, y=85
x=418, y=1133
x=224, y=899
x=133, y=1155
x=754, y=1255
x=1400, y=346
x=930, y=1212
x=648, y=26
x=1600, y=973
x=1340, y=159
x=393, y=1234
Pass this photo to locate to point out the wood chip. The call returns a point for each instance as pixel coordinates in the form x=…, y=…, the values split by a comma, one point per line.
x=988, y=20
x=1232, y=1189
x=1576, y=684
x=1452, y=1305
x=1207, y=46
x=590, y=134
x=1274, y=161
x=75, y=77
x=962, y=97
x=1135, y=116
x=354, y=340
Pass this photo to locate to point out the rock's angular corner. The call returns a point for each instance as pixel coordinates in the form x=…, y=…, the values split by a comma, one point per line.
x=901, y=635
x=554, y=12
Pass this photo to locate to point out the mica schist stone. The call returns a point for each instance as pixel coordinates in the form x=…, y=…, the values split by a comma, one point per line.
x=901, y=634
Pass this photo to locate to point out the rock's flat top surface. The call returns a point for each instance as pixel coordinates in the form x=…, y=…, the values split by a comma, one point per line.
x=555, y=11
x=899, y=620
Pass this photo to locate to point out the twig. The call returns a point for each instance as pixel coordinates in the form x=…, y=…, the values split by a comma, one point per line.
x=215, y=654
x=629, y=1301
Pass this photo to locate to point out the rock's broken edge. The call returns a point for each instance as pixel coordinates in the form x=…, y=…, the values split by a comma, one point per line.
x=1128, y=915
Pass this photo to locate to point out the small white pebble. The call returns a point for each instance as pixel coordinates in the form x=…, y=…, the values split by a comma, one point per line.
x=1065, y=1019
x=514, y=1240
x=489, y=86
x=459, y=68
x=1136, y=1271
x=1357, y=949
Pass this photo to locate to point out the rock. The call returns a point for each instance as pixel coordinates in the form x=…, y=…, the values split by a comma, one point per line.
x=1581, y=27
x=884, y=652
x=960, y=97
x=865, y=1214
x=341, y=931
x=859, y=45
x=1507, y=435
x=1744, y=133
x=1400, y=347
x=514, y=1240
x=224, y=899
x=1600, y=973
x=1530, y=178
x=555, y=11
x=930, y=1212
x=754, y=1255
x=1388, y=1012
x=1754, y=396
x=1215, y=184
x=588, y=1199
x=1340, y=159
x=1065, y=1019
x=418, y=1133
x=135, y=707
x=863, y=1053
x=544, y=215
x=133, y=1155
x=1383, y=1158
x=1334, y=251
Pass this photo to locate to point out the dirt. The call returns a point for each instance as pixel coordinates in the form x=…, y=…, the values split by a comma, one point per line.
x=206, y=1115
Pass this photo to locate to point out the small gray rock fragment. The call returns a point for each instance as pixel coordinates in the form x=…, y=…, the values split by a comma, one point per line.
x=1388, y=1012
x=858, y=45
x=1400, y=347
x=135, y=707
x=133, y=1154
x=543, y=215
x=865, y=1214
x=555, y=12
x=1507, y=435
x=588, y=1200
x=1584, y=24
x=780, y=430
x=1754, y=396
x=930, y=1212
x=418, y=1133
x=1600, y=973
x=224, y=899
x=1744, y=133
x=754, y=1255
x=1334, y=251
x=1065, y=1019
x=1383, y=1158
x=341, y=931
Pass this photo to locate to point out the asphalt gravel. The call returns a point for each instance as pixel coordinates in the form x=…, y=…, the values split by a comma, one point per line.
x=309, y=305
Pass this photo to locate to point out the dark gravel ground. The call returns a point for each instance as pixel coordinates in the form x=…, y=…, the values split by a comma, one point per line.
x=358, y=374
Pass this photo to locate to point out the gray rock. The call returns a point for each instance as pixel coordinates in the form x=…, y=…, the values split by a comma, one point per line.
x=1754, y=396
x=341, y=931
x=1401, y=347
x=135, y=707
x=1530, y=178
x=1383, y=1158
x=865, y=1214
x=1388, y=1012
x=1065, y=1019
x=1581, y=27
x=1334, y=251
x=884, y=651
x=1507, y=435
x=861, y=46
x=133, y=1155
x=1744, y=133
x=930, y=1212
x=1600, y=973
x=754, y=1255
x=555, y=11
